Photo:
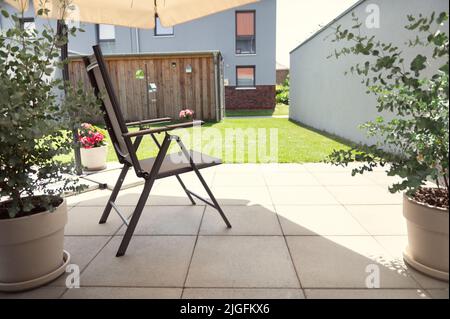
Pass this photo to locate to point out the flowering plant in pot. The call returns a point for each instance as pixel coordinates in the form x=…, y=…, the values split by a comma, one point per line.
x=94, y=149
x=35, y=122
x=186, y=115
x=414, y=143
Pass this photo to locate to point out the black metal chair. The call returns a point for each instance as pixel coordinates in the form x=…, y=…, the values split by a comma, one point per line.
x=150, y=169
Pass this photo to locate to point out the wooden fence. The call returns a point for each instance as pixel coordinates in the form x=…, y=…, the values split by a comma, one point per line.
x=183, y=80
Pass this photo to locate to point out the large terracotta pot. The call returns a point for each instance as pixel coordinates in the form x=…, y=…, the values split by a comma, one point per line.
x=31, y=249
x=428, y=241
x=94, y=159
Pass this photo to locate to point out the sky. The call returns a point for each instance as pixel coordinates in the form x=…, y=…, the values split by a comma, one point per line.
x=297, y=20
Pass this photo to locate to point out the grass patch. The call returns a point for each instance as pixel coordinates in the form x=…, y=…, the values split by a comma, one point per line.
x=280, y=110
x=296, y=143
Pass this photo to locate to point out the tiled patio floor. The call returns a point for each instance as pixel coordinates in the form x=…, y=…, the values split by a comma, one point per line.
x=300, y=231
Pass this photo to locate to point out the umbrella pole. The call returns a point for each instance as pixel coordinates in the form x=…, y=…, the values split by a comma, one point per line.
x=62, y=31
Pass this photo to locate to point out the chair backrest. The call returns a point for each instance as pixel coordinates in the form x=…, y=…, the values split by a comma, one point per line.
x=115, y=123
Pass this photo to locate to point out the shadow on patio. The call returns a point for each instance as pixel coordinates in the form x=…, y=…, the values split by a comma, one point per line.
x=279, y=247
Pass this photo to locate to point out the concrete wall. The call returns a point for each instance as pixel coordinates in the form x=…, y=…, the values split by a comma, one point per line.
x=322, y=96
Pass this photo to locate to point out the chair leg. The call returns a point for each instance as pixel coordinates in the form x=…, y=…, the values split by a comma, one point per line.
x=211, y=196
x=200, y=177
x=135, y=217
x=114, y=194
x=186, y=190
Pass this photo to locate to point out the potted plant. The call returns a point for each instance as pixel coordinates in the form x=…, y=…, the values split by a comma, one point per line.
x=186, y=115
x=94, y=150
x=34, y=135
x=415, y=142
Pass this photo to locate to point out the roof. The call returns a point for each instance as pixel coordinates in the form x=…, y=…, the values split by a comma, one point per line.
x=281, y=67
x=75, y=55
x=357, y=4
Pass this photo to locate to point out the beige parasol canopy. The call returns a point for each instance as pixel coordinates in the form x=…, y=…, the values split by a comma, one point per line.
x=131, y=13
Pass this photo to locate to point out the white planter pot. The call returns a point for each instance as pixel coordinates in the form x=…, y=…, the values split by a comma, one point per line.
x=32, y=249
x=94, y=159
x=428, y=241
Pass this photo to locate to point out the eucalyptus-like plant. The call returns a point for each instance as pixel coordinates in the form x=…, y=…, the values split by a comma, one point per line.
x=415, y=143
x=35, y=118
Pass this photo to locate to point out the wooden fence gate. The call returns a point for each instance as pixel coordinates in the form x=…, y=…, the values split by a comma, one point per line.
x=183, y=80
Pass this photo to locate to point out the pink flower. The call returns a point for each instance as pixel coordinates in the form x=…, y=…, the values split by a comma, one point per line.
x=90, y=136
x=186, y=114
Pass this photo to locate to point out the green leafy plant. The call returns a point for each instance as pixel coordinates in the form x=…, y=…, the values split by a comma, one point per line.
x=415, y=143
x=282, y=91
x=35, y=119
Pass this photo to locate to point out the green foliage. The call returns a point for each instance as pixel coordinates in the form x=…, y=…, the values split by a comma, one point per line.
x=34, y=116
x=416, y=142
x=282, y=96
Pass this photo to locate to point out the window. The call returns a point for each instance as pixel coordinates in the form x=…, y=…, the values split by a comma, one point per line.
x=245, y=76
x=245, y=32
x=160, y=30
x=27, y=24
x=106, y=33
x=106, y=37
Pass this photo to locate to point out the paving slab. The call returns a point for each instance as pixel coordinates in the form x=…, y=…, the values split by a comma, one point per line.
x=82, y=250
x=318, y=220
x=342, y=179
x=366, y=294
x=438, y=293
x=346, y=262
x=89, y=199
x=168, y=220
x=220, y=293
x=150, y=261
x=395, y=245
x=286, y=178
x=122, y=293
x=109, y=178
x=246, y=220
x=365, y=195
x=40, y=293
x=373, y=218
x=241, y=262
x=85, y=221
x=301, y=195
x=233, y=179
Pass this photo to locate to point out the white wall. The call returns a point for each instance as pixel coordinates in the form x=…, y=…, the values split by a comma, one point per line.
x=322, y=96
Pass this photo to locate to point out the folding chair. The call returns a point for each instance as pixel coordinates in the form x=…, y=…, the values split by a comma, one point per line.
x=150, y=169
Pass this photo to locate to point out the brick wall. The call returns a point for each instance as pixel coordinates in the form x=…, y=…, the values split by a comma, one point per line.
x=263, y=97
x=282, y=76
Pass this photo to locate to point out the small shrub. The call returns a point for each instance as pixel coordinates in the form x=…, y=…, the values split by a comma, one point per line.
x=282, y=96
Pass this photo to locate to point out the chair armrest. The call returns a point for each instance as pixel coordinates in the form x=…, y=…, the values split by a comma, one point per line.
x=146, y=122
x=162, y=129
x=185, y=125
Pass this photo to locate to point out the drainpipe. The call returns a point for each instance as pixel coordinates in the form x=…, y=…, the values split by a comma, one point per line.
x=138, y=44
x=216, y=85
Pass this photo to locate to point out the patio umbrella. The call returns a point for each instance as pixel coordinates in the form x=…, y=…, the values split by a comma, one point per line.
x=131, y=13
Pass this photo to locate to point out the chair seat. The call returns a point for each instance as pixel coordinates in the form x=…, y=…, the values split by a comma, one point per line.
x=177, y=164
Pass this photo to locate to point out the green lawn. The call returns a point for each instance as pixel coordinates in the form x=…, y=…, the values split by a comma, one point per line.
x=280, y=109
x=296, y=144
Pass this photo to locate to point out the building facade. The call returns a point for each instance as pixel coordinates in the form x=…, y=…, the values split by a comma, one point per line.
x=245, y=37
x=322, y=96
